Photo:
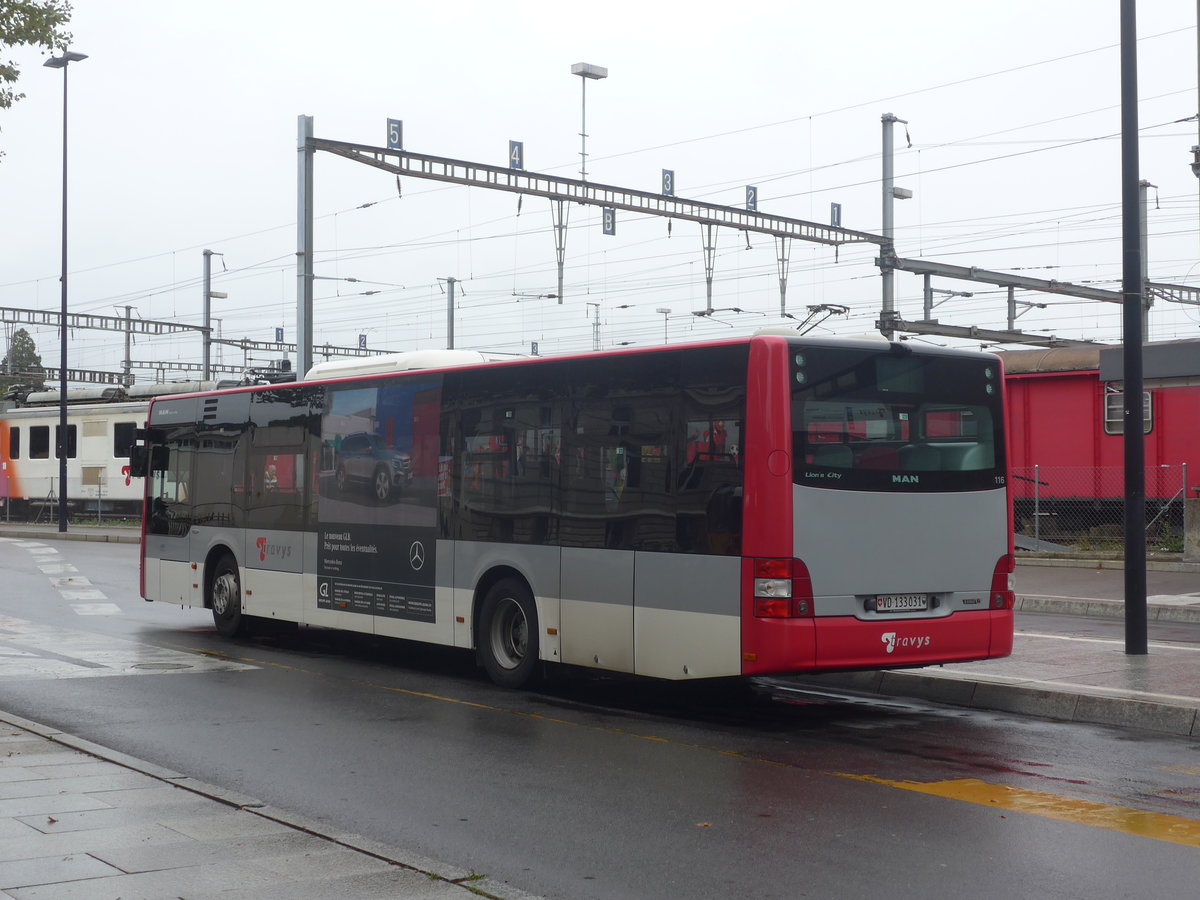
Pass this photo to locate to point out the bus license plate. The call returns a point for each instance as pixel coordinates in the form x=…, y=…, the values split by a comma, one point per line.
x=902, y=602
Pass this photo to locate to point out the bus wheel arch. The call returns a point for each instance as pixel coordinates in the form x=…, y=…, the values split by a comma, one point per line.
x=506, y=629
x=223, y=592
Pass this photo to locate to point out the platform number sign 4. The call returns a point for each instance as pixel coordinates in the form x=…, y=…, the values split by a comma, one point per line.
x=516, y=155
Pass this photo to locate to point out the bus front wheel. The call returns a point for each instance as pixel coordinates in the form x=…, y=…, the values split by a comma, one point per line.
x=225, y=598
x=508, y=634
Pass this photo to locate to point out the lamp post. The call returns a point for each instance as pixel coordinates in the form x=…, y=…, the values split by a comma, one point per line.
x=664, y=312
x=61, y=62
x=585, y=71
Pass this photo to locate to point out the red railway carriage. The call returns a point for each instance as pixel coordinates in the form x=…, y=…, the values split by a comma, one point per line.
x=1066, y=420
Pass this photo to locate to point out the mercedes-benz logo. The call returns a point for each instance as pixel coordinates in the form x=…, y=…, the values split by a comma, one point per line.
x=416, y=555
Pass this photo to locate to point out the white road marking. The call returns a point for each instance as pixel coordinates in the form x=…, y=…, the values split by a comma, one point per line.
x=84, y=595
x=58, y=569
x=96, y=609
x=1165, y=645
x=70, y=581
x=31, y=650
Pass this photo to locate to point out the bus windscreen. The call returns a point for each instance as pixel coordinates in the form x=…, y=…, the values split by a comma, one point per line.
x=887, y=421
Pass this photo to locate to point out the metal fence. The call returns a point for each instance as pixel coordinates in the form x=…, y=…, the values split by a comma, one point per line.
x=90, y=500
x=1082, y=508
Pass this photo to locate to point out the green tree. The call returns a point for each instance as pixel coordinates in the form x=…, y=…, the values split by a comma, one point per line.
x=37, y=23
x=25, y=358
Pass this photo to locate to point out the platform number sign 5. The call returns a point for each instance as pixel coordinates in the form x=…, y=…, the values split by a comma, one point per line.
x=395, y=134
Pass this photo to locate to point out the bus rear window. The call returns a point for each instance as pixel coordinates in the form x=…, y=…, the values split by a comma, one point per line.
x=864, y=420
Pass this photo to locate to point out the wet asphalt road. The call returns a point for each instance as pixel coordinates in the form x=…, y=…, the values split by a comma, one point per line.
x=607, y=787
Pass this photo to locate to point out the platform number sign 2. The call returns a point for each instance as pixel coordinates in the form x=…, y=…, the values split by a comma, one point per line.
x=516, y=155
x=395, y=134
x=751, y=198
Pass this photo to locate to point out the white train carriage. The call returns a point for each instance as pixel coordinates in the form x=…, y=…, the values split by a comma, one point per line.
x=100, y=429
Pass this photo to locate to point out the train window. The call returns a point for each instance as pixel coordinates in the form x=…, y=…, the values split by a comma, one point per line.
x=123, y=438
x=14, y=442
x=1114, y=412
x=39, y=442
x=71, y=445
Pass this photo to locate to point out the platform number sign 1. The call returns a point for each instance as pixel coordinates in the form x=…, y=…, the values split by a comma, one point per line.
x=668, y=182
x=751, y=198
x=609, y=220
x=395, y=134
x=516, y=155
x=835, y=215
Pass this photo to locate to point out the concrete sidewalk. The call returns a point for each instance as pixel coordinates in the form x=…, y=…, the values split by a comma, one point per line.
x=82, y=822
x=1057, y=676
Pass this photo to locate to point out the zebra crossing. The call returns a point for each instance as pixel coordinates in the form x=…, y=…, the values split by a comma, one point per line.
x=41, y=651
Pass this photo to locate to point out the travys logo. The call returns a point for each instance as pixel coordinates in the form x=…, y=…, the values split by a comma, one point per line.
x=914, y=643
x=275, y=551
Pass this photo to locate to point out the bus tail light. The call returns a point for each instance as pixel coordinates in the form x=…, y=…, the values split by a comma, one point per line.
x=1003, y=594
x=782, y=589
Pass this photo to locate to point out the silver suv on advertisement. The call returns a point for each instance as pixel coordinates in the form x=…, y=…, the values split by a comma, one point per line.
x=363, y=459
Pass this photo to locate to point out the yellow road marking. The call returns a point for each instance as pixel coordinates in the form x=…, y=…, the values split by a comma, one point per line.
x=1139, y=822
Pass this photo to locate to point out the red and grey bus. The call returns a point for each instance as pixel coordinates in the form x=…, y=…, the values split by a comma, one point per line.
x=767, y=504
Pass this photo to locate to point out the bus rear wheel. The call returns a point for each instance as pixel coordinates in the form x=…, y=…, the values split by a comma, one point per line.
x=225, y=598
x=508, y=634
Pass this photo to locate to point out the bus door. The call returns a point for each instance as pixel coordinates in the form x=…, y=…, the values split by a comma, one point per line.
x=169, y=518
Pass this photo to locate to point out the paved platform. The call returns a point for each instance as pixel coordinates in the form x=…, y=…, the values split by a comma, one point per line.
x=82, y=822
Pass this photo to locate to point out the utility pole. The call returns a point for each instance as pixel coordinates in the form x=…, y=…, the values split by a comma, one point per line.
x=304, y=246
x=127, y=364
x=450, y=282
x=887, y=252
x=209, y=296
x=1143, y=230
x=1132, y=286
x=595, y=325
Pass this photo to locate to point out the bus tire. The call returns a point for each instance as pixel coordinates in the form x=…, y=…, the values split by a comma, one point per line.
x=508, y=634
x=225, y=598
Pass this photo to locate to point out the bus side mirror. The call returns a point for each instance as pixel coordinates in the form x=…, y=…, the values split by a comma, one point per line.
x=137, y=461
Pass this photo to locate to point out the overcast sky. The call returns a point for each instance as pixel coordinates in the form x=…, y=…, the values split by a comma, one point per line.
x=183, y=125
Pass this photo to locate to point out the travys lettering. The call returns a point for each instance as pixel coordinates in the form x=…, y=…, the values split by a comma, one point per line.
x=275, y=551
x=913, y=643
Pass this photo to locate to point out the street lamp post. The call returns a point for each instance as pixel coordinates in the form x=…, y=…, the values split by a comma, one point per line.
x=61, y=62
x=585, y=71
x=664, y=312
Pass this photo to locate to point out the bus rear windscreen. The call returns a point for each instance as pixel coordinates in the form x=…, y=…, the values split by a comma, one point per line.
x=881, y=421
